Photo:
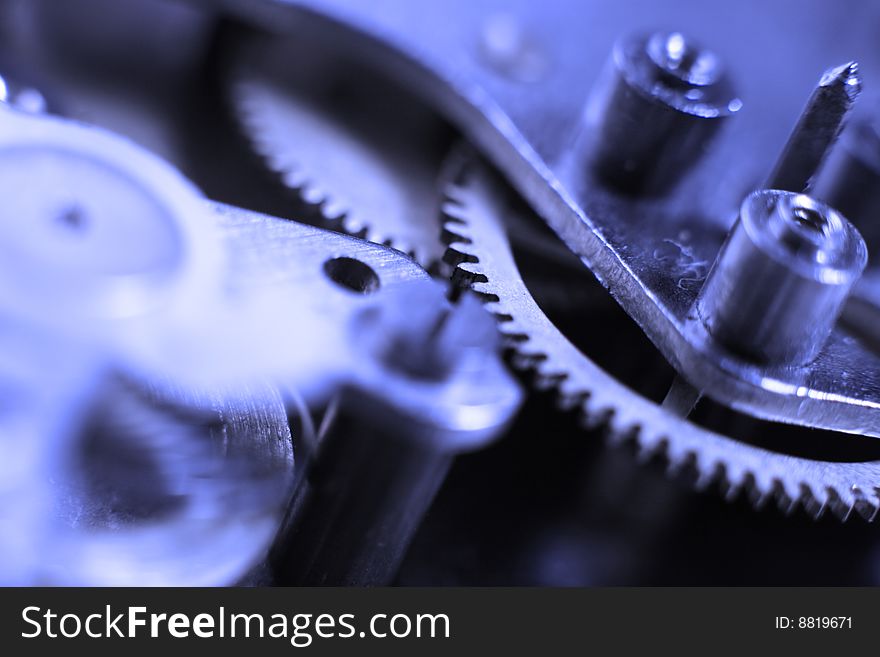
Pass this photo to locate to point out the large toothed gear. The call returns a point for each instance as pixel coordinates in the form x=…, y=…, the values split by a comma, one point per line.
x=480, y=250
x=357, y=150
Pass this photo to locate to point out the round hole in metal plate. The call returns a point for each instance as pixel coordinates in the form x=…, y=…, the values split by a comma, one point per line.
x=352, y=274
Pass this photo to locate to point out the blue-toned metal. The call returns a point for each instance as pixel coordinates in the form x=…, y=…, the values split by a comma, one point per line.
x=653, y=255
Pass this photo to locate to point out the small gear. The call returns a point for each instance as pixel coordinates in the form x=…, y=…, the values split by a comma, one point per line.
x=480, y=250
x=361, y=153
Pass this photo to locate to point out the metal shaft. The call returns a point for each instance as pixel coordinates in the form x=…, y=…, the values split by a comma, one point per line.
x=817, y=129
x=682, y=398
x=432, y=385
x=365, y=497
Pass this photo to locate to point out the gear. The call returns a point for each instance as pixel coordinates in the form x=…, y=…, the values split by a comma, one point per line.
x=360, y=152
x=154, y=470
x=480, y=250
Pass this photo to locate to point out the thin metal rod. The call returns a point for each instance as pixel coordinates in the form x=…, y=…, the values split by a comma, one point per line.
x=817, y=129
x=682, y=397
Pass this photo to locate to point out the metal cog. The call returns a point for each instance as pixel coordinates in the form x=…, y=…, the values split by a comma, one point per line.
x=480, y=251
x=356, y=148
x=196, y=456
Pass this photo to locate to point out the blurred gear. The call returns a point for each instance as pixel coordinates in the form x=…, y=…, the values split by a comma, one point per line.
x=357, y=149
x=146, y=473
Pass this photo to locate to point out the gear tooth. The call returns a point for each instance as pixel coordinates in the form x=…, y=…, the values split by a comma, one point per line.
x=454, y=256
x=361, y=234
x=709, y=476
x=864, y=504
x=453, y=210
x=875, y=505
x=570, y=402
x=354, y=226
x=311, y=194
x=733, y=490
x=549, y=381
x=615, y=437
x=675, y=457
x=413, y=253
x=823, y=499
x=504, y=318
x=792, y=491
x=405, y=248
x=822, y=496
x=512, y=339
x=295, y=180
x=591, y=420
x=471, y=269
x=683, y=464
x=875, y=500
x=736, y=480
x=655, y=442
x=620, y=424
x=764, y=485
x=454, y=238
x=791, y=507
x=471, y=266
x=522, y=343
x=527, y=361
x=509, y=324
x=866, y=509
x=483, y=290
x=571, y=389
x=727, y=492
x=333, y=210
x=756, y=495
x=489, y=298
x=786, y=502
x=623, y=438
x=530, y=350
x=759, y=499
x=810, y=503
x=455, y=194
x=726, y=485
x=652, y=448
x=463, y=278
x=839, y=506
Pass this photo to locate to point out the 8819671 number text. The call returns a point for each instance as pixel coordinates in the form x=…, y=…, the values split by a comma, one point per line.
x=814, y=622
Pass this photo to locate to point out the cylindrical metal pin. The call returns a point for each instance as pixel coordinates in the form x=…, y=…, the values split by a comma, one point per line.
x=658, y=106
x=778, y=285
